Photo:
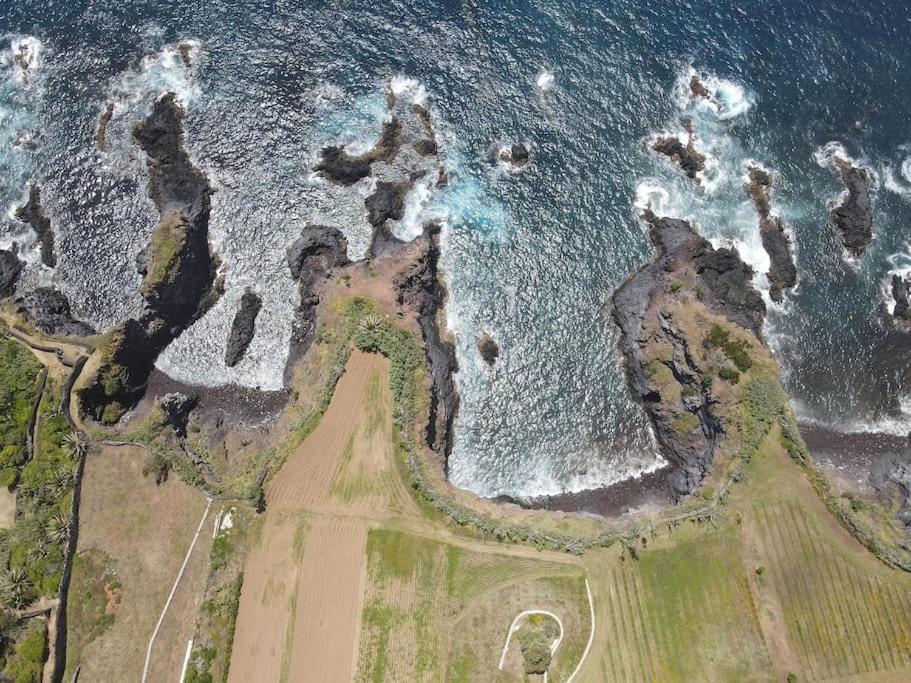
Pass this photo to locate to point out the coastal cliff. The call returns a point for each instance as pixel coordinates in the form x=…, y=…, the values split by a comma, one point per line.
x=178, y=267
x=690, y=324
x=420, y=290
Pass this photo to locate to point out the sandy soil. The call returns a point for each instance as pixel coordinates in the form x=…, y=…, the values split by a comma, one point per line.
x=301, y=599
x=7, y=508
x=147, y=530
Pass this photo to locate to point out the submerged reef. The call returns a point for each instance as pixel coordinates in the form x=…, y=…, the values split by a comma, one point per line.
x=178, y=266
x=782, y=271
x=674, y=315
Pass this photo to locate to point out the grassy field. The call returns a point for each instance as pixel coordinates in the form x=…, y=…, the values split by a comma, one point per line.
x=777, y=587
x=435, y=611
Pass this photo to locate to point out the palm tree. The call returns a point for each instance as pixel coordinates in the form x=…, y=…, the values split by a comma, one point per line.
x=58, y=527
x=371, y=323
x=16, y=588
x=76, y=443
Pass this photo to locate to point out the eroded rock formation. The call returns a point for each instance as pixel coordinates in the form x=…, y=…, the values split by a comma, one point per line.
x=782, y=271
x=690, y=160
x=663, y=312
x=901, y=294
x=853, y=216
x=313, y=256
x=178, y=266
x=34, y=214
x=488, y=349
x=10, y=269
x=243, y=327
x=420, y=290
x=49, y=310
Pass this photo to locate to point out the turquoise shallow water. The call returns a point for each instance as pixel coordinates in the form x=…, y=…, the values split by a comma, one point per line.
x=531, y=257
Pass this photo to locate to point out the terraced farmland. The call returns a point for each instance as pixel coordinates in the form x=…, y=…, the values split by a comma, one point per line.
x=435, y=611
x=681, y=614
x=845, y=616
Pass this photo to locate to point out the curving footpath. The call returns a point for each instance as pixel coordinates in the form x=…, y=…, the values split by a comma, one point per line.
x=553, y=647
x=513, y=627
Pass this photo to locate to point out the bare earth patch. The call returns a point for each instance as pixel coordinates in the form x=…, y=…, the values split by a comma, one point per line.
x=145, y=530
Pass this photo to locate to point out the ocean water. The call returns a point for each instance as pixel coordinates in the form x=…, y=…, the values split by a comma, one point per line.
x=530, y=257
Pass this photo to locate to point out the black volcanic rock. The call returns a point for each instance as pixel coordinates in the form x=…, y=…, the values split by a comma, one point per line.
x=488, y=349
x=49, y=310
x=242, y=328
x=515, y=155
x=33, y=214
x=782, y=271
x=901, y=293
x=425, y=147
x=10, y=269
x=648, y=330
x=339, y=167
x=687, y=157
x=177, y=407
x=895, y=469
x=179, y=269
x=386, y=202
x=313, y=257
x=419, y=289
x=853, y=217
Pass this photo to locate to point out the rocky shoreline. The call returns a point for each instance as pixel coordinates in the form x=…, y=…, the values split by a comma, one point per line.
x=853, y=216
x=782, y=271
x=178, y=268
x=666, y=370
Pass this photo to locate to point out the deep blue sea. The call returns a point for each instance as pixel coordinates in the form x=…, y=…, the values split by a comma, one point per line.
x=531, y=257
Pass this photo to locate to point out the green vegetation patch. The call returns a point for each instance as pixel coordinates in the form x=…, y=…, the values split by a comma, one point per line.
x=26, y=662
x=734, y=347
x=684, y=613
x=18, y=388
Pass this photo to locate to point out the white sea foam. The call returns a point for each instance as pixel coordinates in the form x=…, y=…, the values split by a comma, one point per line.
x=23, y=59
x=727, y=99
x=416, y=203
x=410, y=87
x=161, y=72
x=545, y=80
x=651, y=194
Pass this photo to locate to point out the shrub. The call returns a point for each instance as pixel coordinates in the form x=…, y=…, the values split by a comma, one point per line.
x=729, y=374
x=676, y=285
x=535, y=650
x=686, y=423
x=734, y=348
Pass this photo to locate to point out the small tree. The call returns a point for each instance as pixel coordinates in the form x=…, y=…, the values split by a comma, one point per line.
x=535, y=650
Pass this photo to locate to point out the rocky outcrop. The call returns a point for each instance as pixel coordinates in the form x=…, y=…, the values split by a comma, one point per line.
x=101, y=131
x=666, y=368
x=782, y=271
x=419, y=290
x=901, y=294
x=34, y=214
x=49, y=310
x=488, y=349
x=853, y=216
x=895, y=470
x=515, y=156
x=10, y=269
x=242, y=328
x=176, y=408
x=179, y=269
x=339, y=167
x=312, y=258
x=690, y=160
x=386, y=202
